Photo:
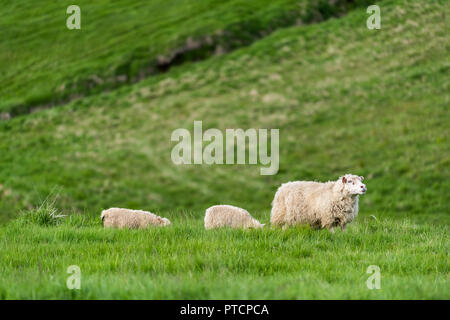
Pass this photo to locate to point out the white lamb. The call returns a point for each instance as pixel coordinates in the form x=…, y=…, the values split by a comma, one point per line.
x=321, y=205
x=229, y=216
x=133, y=219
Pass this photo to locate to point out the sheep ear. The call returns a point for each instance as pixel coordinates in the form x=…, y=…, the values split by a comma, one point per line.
x=361, y=177
x=344, y=179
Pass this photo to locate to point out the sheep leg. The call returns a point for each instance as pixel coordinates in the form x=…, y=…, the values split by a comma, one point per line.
x=277, y=216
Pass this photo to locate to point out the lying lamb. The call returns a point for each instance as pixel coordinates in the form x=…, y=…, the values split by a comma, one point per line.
x=133, y=219
x=321, y=205
x=229, y=216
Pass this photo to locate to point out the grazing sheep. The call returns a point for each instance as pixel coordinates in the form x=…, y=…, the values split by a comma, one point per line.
x=321, y=205
x=133, y=219
x=229, y=216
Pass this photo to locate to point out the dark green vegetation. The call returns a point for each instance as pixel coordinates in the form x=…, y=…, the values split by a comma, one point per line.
x=42, y=63
x=346, y=100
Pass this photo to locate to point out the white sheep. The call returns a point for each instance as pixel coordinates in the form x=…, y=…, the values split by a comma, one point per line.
x=133, y=219
x=229, y=216
x=321, y=205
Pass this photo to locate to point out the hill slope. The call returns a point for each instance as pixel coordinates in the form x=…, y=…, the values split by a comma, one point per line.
x=345, y=98
x=42, y=63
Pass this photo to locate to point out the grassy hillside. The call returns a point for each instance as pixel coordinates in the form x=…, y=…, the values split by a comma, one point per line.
x=345, y=98
x=43, y=63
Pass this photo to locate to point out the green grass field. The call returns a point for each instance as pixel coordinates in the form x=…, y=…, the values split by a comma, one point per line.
x=187, y=262
x=346, y=100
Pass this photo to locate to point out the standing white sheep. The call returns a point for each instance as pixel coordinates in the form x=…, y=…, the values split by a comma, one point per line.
x=229, y=216
x=321, y=205
x=133, y=219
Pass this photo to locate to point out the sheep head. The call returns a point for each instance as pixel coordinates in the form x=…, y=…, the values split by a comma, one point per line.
x=352, y=184
x=165, y=222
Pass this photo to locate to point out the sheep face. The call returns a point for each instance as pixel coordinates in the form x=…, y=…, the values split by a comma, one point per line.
x=165, y=222
x=353, y=184
x=253, y=224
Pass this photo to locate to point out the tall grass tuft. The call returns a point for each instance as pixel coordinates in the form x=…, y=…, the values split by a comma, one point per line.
x=44, y=215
